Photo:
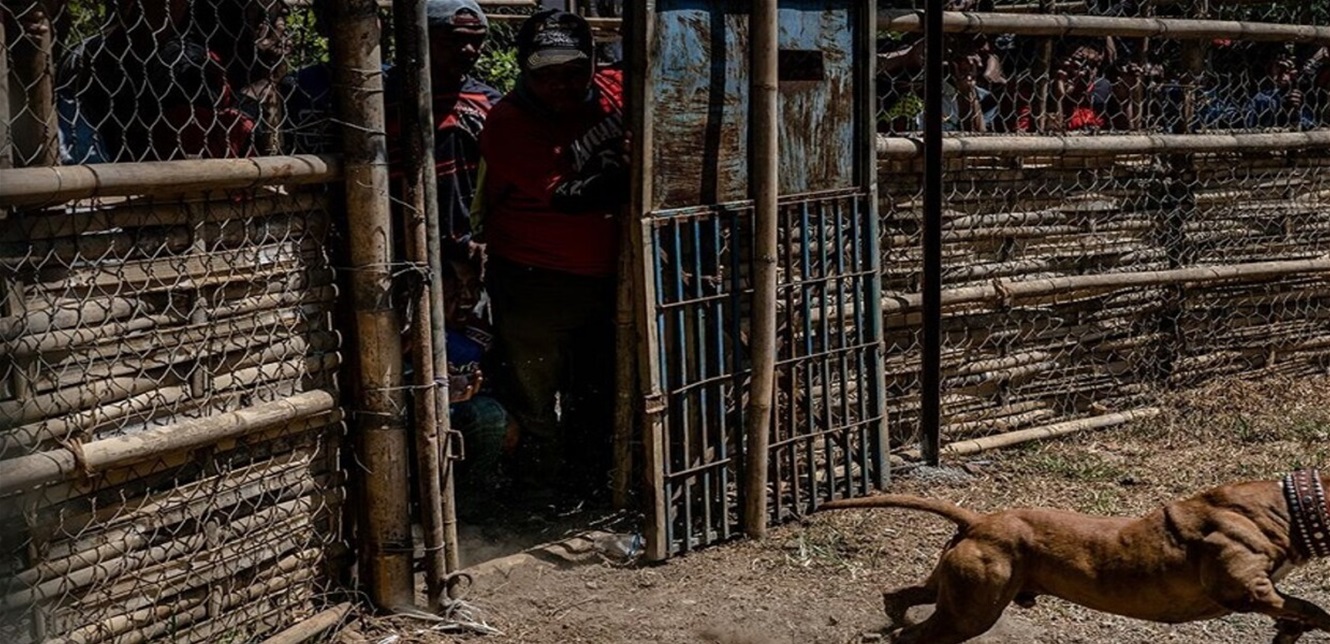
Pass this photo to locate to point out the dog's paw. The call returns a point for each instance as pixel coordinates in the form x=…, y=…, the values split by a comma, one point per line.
x=873, y=637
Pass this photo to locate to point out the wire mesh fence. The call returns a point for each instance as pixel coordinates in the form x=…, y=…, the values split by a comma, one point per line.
x=1122, y=214
x=1022, y=81
x=170, y=430
x=168, y=426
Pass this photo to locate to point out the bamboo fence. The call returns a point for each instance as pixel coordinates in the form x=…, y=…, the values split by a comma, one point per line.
x=1080, y=287
x=171, y=423
x=1087, y=271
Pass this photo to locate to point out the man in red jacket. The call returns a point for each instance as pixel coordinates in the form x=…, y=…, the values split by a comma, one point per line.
x=555, y=177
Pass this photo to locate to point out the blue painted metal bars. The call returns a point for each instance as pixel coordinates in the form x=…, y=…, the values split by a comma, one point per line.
x=695, y=241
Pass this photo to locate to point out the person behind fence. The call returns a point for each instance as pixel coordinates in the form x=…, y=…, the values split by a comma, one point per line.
x=555, y=176
x=1315, y=77
x=1268, y=95
x=971, y=91
x=152, y=89
x=1082, y=95
x=249, y=37
x=970, y=100
x=461, y=103
x=473, y=411
x=308, y=99
x=1279, y=99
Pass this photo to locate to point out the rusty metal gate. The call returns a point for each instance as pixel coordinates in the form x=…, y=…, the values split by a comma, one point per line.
x=693, y=247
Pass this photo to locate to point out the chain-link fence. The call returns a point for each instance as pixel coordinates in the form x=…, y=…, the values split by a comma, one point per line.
x=170, y=429
x=1122, y=214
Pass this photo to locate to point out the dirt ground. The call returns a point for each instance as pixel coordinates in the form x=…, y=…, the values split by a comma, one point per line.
x=819, y=581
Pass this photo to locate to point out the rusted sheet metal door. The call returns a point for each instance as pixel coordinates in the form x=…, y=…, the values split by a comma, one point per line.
x=693, y=243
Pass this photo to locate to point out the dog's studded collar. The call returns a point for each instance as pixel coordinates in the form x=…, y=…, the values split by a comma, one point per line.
x=1308, y=514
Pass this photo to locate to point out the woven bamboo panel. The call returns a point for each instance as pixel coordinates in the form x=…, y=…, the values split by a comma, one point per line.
x=1073, y=351
x=179, y=355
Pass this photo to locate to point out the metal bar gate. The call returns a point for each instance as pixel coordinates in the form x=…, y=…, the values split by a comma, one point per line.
x=693, y=247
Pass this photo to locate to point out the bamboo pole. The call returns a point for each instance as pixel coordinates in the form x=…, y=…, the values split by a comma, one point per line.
x=1065, y=26
x=625, y=369
x=32, y=436
x=961, y=448
x=386, y=534
x=36, y=186
x=312, y=627
x=641, y=20
x=109, y=534
x=35, y=125
x=765, y=177
x=146, y=623
x=141, y=554
x=625, y=340
x=155, y=213
x=46, y=467
x=1010, y=290
x=193, y=576
x=67, y=315
x=894, y=147
x=108, y=391
x=297, y=435
x=211, y=564
x=6, y=119
x=420, y=206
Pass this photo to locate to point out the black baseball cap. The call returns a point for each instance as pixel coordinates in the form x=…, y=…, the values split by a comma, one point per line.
x=553, y=37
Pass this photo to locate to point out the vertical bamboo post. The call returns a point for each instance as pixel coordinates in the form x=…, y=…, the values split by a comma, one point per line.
x=34, y=126
x=625, y=342
x=421, y=228
x=380, y=427
x=764, y=175
x=625, y=366
x=6, y=125
x=1193, y=61
x=640, y=19
x=1039, y=114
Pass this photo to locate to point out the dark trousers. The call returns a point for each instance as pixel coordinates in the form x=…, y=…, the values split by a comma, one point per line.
x=554, y=336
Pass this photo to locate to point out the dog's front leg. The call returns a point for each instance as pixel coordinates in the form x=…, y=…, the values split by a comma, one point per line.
x=1295, y=609
x=1238, y=579
x=1289, y=631
x=1262, y=597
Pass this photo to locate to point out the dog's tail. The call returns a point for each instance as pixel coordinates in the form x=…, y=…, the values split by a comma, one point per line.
x=958, y=515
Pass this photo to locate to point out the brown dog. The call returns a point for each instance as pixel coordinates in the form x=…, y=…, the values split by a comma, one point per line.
x=1216, y=553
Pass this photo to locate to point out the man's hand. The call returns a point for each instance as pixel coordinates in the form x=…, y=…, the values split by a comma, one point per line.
x=1293, y=100
x=464, y=386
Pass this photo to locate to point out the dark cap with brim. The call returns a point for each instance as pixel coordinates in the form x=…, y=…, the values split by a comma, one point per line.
x=553, y=37
x=457, y=15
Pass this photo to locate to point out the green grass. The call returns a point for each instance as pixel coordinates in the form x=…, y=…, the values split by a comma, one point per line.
x=1080, y=465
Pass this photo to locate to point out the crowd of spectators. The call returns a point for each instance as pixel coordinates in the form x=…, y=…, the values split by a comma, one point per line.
x=173, y=79
x=1005, y=83
x=529, y=188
